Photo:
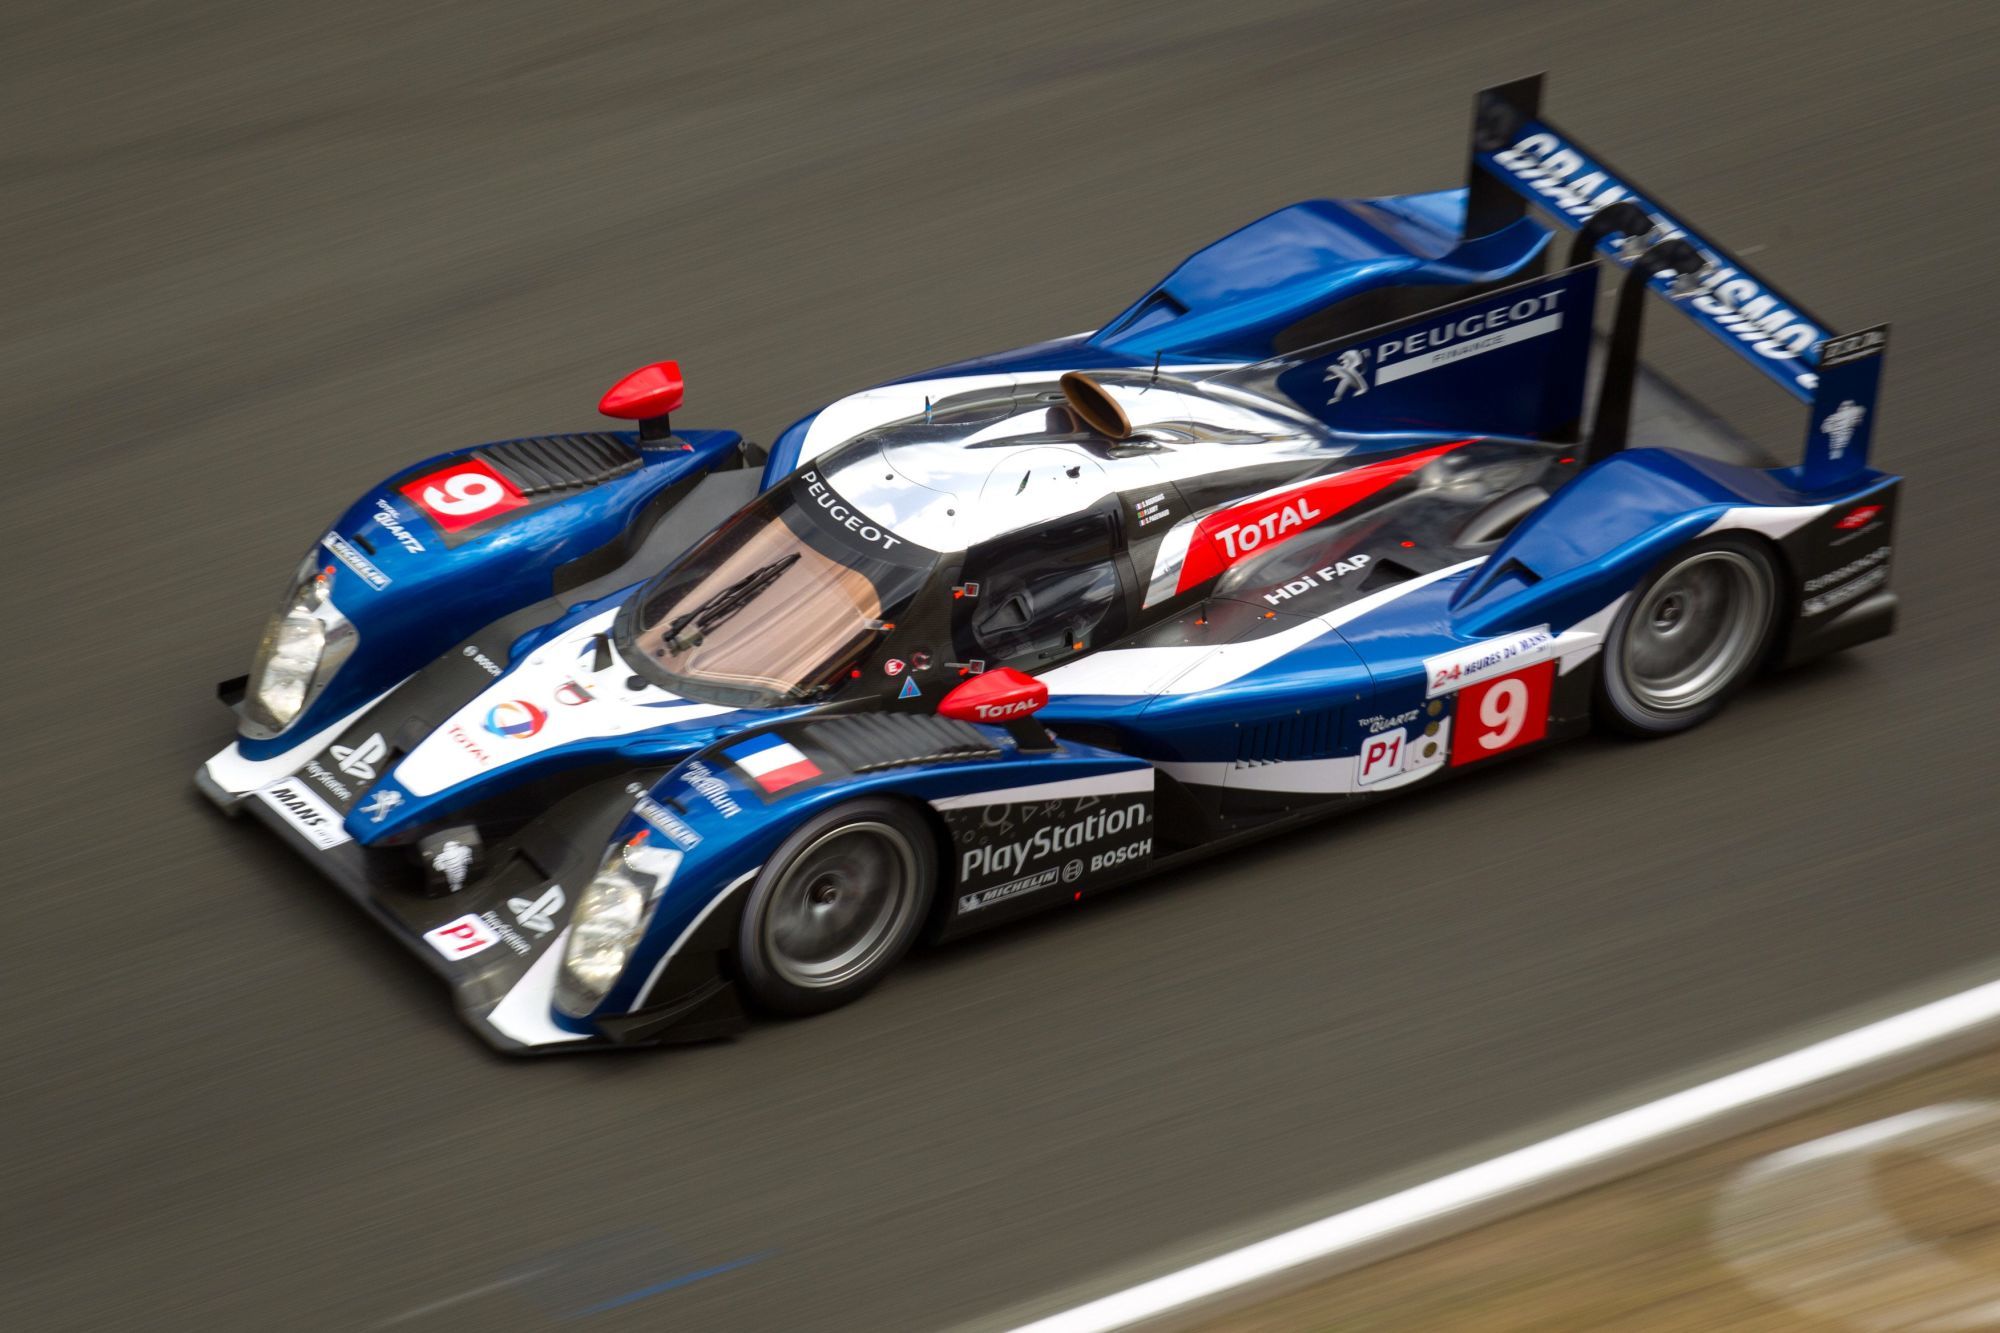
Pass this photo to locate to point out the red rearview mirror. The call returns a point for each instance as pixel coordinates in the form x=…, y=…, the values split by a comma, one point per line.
x=646, y=396
x=1000, y=695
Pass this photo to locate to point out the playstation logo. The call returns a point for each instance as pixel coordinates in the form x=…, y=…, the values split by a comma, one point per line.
x=539, y=915
x=358, y=761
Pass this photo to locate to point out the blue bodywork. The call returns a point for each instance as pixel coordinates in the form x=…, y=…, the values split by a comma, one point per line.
x=440, y=595
x=1245, y=708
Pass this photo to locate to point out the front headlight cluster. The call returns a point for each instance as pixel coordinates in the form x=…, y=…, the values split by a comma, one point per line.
x=302, y=647
x=609, y=919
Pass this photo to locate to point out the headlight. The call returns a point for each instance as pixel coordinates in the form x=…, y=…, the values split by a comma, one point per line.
x=609, y=919
x=302, y=647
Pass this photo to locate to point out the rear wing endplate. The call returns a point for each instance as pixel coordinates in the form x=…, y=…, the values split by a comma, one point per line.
x=1518, y=158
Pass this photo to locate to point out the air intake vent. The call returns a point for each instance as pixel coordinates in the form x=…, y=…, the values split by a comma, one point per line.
x=543, y=464
x=1311, y=735
x=865, y=742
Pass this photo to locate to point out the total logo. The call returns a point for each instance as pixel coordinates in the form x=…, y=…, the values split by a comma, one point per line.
x=1246, y=537
x=999, y=712
x=516, y=719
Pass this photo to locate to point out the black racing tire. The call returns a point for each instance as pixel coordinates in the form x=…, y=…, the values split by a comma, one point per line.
x=836, y=906
x=1689, y=637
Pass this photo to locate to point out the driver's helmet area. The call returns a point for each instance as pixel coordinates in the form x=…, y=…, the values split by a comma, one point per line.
x=1041, y=596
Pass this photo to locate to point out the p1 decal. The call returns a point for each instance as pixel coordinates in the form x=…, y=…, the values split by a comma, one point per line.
x=463, y=937
x=465, y=493
x=1502, y=714
x=1387, y=754
x=1235, y=532
x=1381, y=757
x=773, y=764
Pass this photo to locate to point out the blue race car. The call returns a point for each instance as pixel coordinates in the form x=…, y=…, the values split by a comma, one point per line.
x=633, y=733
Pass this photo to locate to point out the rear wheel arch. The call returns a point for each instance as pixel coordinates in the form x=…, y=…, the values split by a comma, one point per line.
x=1700, y=625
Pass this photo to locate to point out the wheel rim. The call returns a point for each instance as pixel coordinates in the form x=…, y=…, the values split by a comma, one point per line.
x=840, y=904
x=1695, y=630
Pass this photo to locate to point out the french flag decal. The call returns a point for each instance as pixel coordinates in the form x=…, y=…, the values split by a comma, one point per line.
x=771, y=763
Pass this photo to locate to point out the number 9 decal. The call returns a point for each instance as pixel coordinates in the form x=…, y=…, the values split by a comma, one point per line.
x=465, y=493
x=1497, y=715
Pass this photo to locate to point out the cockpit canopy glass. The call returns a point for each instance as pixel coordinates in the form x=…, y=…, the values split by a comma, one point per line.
x=776, y=605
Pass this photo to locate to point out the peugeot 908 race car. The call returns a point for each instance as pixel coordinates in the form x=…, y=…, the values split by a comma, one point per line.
x=632, y=733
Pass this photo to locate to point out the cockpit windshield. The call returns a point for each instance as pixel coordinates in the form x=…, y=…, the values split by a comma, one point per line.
x=776, y=605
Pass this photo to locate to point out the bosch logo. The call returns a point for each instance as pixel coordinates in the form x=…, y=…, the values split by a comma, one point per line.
x=1859, y=518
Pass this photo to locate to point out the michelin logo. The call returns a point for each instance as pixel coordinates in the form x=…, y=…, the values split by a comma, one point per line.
x=667, y=822
x=1840, y=425
x=1041, y=879
x=345, y=552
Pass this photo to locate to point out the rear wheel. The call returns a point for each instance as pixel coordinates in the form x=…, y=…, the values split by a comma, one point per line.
x=835, y=908
x=1691, y=635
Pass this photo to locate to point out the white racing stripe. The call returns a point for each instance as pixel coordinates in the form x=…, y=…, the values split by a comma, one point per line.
x=1190, y=670
x=1104, y=784
x=239, y=776
x=523, y=1013
x=639, y=1001
x=1442, y=1207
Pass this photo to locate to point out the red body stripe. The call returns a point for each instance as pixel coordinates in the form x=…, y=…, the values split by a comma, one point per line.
x=1241, y=530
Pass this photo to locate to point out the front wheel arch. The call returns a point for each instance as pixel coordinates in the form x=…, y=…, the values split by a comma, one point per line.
x=837, y=905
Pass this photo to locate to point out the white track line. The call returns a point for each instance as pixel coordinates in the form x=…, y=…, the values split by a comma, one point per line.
x=1625, y=1134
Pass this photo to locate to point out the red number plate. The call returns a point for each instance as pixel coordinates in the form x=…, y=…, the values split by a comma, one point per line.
x=463, y=494
x=1500, y=714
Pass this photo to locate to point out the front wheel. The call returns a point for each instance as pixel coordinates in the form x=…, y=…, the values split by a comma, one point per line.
x=1691, y=635
x=836, y=906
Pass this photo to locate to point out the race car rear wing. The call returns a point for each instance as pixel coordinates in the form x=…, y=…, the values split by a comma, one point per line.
x=1518, y=158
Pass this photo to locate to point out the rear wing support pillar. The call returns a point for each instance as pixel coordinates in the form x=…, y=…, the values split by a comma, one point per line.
x=1611, y=424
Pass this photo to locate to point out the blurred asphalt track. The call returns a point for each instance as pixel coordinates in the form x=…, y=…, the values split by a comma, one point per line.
x=258, y=255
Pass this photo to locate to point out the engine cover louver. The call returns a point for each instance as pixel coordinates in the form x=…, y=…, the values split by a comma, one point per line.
x=542, y=464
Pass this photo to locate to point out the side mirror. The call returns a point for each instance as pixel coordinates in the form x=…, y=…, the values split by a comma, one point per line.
x=646, y=396
x=998, y=696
